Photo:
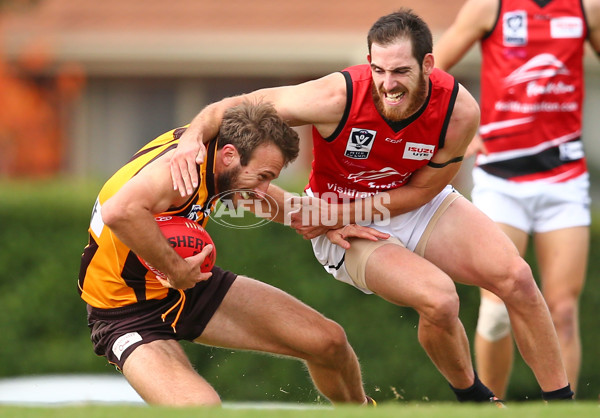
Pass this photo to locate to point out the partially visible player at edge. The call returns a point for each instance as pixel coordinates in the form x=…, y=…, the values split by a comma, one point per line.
x=137, y=319
x=398, y=128
x=531, y=175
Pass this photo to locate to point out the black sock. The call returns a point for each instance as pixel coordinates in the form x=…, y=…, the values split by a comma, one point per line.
x=560, y=394
x=477, y=392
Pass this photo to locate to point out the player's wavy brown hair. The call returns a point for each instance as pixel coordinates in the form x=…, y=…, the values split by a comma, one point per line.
x=402, y=24
x=249, y=125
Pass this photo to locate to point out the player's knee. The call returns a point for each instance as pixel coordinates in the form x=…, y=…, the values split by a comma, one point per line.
x=442, y=309
x=564, y=315
x=493, y=323
x=332, y=344
x=517, y=285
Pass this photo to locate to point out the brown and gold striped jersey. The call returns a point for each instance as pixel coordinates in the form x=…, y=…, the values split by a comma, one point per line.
x=111, y=274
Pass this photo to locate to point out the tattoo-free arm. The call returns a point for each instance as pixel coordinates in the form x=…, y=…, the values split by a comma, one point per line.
x=319, y=102
x=472, y=22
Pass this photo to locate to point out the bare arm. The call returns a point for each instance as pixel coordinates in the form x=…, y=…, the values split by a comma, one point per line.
x=592, y=11
x=287, y=203
x=474, y=19
x=129, y=213
x=318, y=102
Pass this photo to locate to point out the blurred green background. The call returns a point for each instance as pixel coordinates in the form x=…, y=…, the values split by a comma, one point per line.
x=43, y=325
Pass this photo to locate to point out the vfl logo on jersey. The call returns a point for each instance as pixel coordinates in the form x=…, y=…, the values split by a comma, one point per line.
x=514, y=28
x=360, y=143
x=415, y=151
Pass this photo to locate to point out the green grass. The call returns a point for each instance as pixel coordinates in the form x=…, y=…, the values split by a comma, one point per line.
x=413, y=410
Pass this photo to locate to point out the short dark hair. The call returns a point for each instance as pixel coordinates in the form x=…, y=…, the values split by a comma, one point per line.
x=249, y=125
x=402, y=24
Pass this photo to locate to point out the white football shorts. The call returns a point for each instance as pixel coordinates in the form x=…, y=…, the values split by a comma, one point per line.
x=533, y=206
x=409, y=228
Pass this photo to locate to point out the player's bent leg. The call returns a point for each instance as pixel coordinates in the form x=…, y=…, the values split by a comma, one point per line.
x=401, y=277
x=494, y=351
x=259, y=317
x=487, y=258
x=493, y=344
x=533, y=329
x=563, y=279
x=172, y=382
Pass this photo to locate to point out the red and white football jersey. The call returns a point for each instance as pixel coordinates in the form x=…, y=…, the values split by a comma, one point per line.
x=532, y=91
x=368, y=153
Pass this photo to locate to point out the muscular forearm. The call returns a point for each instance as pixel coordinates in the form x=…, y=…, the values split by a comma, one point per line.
x=137, y=229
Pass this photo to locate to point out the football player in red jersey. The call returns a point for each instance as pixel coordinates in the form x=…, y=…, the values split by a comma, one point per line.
x=530, y=176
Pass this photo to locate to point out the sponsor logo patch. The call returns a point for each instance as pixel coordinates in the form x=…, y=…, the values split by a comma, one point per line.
x=566, y=27
x=360, y=143
x=541, y=66
x=374, y=174
x=393, y=141
x=416, y=151
x=125, y=341
x=571, y=151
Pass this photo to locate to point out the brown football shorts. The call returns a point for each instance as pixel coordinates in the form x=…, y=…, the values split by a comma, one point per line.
x=115, y=333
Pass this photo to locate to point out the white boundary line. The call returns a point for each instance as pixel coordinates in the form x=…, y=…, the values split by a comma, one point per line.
x=59, y=390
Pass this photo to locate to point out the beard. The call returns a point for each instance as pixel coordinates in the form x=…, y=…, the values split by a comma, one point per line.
x=414, y=101
x=228, y=179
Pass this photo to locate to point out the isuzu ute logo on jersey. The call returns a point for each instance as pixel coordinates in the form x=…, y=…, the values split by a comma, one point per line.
x=514, y=28
x=360, y=143
x=416, y=151
x=566, y=27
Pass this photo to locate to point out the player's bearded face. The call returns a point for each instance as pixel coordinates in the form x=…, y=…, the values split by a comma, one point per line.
x=228, y=179
x=412, y=102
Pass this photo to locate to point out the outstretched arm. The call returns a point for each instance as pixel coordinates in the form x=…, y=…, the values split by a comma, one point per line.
x=191, y=149
x=473, y=21
x=278, y=205
x=318, y=102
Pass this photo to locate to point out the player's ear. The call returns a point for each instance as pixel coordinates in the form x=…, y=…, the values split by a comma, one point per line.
x=428, y=64
x=229, y=155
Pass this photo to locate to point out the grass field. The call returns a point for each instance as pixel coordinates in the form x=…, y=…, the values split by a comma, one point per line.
x=413, y=410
